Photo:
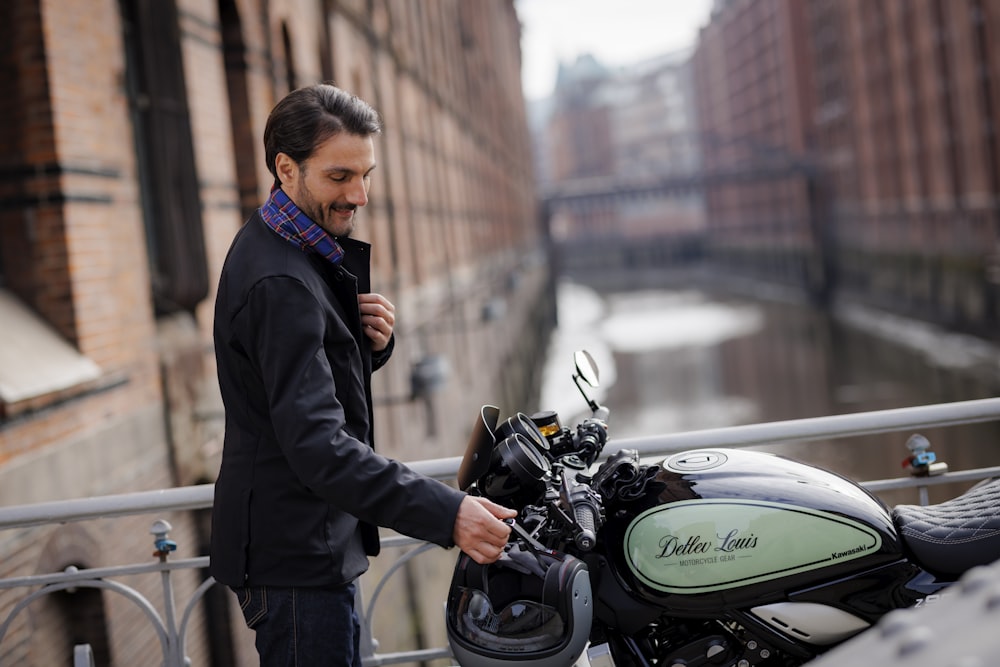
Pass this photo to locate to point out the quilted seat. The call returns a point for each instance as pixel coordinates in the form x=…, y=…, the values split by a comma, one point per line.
x=949, y=538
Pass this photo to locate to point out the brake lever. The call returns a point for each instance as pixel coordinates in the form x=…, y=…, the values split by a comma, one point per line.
x=527, y=537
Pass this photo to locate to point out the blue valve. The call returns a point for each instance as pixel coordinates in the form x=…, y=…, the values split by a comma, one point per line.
x=163, y=545
x=921, y=461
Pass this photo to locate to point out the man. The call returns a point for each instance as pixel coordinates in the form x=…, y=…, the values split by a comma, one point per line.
x=297, y=335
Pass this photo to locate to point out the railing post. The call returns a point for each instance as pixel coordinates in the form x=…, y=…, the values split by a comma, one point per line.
x=160, y=530
x=368, y=644
x=83, y=656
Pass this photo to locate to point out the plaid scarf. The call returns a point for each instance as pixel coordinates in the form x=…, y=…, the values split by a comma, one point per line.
x=291, y=224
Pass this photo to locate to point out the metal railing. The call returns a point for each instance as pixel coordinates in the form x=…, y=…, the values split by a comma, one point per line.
x=171, y=630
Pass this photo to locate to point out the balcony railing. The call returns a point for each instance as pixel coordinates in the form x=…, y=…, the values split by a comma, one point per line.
x=172, y=621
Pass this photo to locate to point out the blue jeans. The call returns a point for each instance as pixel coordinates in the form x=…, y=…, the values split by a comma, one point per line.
x=303, y=627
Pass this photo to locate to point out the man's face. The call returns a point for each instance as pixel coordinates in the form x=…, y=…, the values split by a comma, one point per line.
x=332, y=183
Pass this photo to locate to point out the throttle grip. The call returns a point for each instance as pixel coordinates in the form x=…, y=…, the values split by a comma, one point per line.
x=585, y=506
x=587, y=522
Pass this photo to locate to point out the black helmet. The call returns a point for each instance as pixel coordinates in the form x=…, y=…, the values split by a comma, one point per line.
x=528, y=608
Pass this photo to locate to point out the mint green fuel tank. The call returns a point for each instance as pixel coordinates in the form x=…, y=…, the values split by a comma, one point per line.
x=726, y=528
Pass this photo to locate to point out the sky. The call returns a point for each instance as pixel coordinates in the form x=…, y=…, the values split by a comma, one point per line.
x=616, y=32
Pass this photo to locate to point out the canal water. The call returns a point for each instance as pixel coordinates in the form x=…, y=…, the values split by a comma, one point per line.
x=678, y=360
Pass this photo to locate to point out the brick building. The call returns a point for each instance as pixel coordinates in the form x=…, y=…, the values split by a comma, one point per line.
x=872, y=130
x=131, y=154
x=753, y=94
x=906, y=121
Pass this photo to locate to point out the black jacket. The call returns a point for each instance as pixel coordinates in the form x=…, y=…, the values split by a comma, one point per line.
x=300, y=489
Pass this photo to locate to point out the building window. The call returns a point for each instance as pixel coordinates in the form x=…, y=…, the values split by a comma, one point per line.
x=168, y=180
x=235, y=54
x=286, y=44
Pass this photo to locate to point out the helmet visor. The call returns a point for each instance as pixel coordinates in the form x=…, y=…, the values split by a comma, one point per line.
x=522, y=626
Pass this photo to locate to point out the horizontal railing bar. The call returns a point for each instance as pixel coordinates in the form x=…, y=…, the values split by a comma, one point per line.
x=816, y=428
x=972, y=475
x=445, y=469
x=101, y=507
x=397, y=540
x=105, y=572
x=796, y=430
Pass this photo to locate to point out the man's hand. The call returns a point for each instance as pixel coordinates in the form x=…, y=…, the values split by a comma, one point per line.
x=479, y=530
x=378, y=316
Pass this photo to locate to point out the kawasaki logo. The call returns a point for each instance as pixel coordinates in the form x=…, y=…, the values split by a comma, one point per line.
x=861, y=548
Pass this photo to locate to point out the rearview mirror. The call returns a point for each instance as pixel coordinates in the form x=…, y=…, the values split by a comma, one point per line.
x=586, y=368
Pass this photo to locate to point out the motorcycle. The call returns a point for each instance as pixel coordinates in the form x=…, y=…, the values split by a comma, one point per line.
x=721, y=557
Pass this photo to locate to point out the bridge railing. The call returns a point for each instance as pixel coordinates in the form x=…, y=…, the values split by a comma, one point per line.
x=171, y=622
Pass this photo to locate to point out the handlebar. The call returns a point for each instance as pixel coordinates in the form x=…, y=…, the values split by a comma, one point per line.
x=585, y=509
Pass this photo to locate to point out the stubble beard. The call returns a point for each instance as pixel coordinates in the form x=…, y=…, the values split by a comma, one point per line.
x=327, y=216
x=333, y=224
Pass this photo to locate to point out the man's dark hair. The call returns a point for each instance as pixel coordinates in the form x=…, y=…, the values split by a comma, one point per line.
x=307, y=117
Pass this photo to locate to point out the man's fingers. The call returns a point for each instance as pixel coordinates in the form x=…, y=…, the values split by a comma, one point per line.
x=485, y=554
x=499, y=511
x=478, y=531
x=496, y=527
x=377, y=306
